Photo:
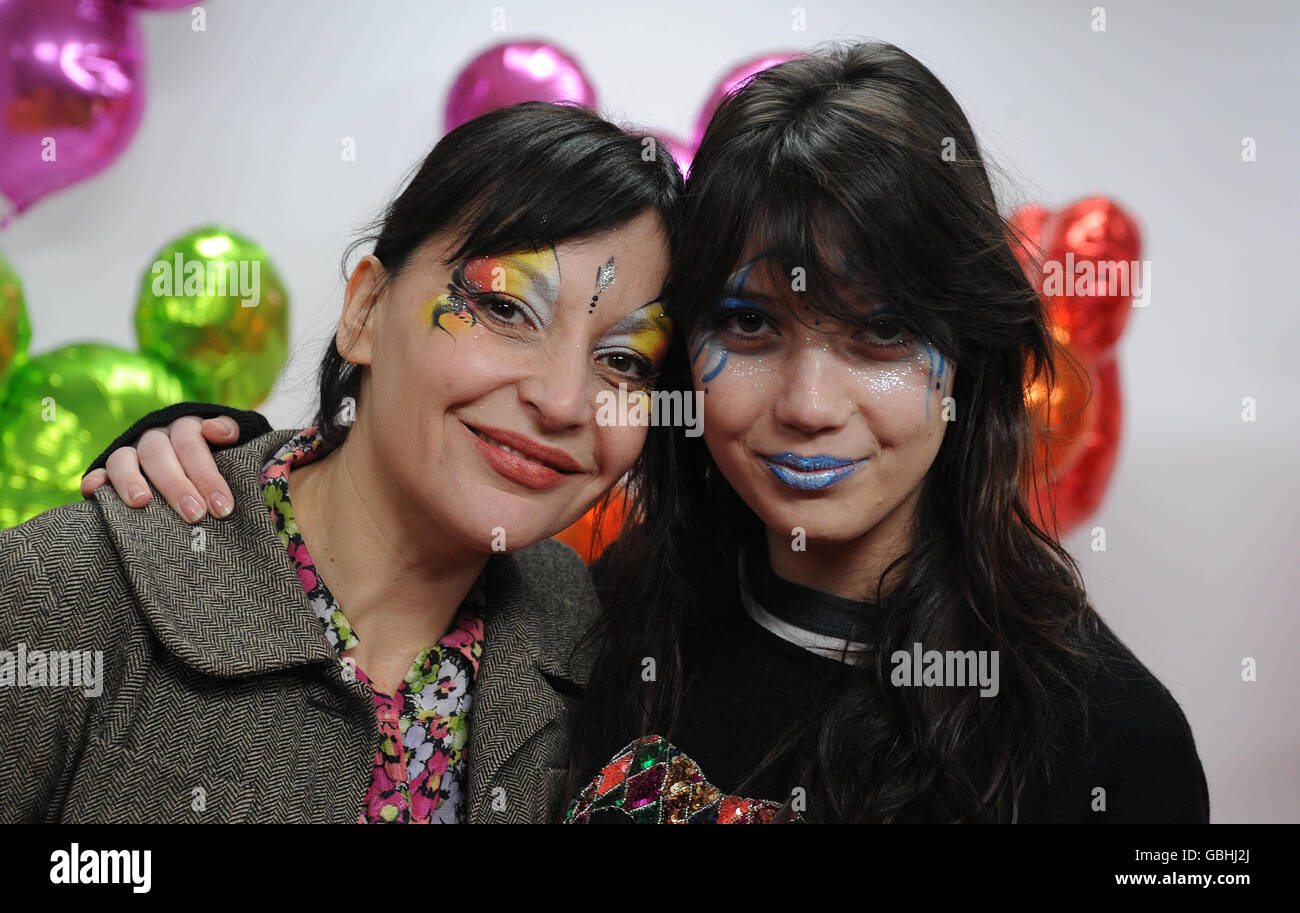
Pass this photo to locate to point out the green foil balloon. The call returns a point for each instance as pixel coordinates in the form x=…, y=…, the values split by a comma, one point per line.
x=60, y=410
x=15, y=331
x=214, y=311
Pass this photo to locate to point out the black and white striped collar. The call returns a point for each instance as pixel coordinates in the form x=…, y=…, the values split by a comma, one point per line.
x=821, y=623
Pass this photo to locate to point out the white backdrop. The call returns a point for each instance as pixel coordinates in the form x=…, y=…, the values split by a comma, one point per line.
x=244, y=124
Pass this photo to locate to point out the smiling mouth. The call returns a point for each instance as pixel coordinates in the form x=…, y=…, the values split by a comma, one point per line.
x=810, y=473
x=523, y=460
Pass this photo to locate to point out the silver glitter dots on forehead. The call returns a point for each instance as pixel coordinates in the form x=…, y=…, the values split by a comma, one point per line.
x=605, y=276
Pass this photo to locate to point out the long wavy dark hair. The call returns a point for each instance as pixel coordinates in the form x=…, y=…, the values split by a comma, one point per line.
x=859, y=154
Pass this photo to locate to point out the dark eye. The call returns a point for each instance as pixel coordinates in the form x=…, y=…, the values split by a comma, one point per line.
x=884, y=333
x=502, y=309
x=626, y=363
x=746, y=323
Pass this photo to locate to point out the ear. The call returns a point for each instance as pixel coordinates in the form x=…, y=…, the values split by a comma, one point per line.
x=355, y=334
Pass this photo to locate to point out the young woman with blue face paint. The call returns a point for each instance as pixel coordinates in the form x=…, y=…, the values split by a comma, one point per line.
x=805, y=417
x=862, y=335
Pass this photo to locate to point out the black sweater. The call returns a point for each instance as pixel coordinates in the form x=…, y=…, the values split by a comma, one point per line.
x=746, y=686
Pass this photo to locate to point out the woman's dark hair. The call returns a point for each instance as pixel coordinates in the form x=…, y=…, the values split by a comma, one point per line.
x=855, y=164
x=520, y=177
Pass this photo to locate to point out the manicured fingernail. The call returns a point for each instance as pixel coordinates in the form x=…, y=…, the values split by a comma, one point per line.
x=191, y=508
x=221, y=505
x=137, y=493
x=228, y=425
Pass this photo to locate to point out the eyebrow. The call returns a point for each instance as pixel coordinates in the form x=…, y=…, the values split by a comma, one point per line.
x=752, y=295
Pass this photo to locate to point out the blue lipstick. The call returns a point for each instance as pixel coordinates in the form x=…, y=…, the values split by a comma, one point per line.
x=810, y=473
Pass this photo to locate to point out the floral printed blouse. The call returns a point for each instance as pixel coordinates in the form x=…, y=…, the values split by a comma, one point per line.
x=420, y=772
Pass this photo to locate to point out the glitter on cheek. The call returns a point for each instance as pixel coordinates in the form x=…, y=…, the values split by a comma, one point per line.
x=750, y=366
x=905, y=378
x=883, y=381
x=710, y=357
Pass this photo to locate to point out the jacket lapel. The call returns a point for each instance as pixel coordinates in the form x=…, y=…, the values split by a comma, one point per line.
x=222, y=596
x=529, y=665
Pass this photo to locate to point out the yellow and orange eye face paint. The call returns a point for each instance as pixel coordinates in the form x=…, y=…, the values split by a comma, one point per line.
x=648, y=331
x=530, y=280
x=531, y=276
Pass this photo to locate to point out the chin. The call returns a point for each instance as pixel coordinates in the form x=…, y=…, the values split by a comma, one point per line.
x=825, y=521
x=822, y=534
x=495, y=521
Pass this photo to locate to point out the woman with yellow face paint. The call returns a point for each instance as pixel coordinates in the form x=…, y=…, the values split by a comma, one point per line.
x=837, y=605
x=386, y=568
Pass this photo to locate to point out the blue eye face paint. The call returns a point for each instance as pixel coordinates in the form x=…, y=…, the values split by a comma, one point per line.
x=939, y=366
x=715, y=358
x=705, y=343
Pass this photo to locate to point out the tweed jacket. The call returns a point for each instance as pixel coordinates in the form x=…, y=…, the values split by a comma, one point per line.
x=207, y=638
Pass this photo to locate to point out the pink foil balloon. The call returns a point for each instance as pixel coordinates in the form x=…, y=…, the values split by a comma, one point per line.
x=510, y=73
x=70, y=73
x=162, y=4
x=683, y=152
x=728, y=84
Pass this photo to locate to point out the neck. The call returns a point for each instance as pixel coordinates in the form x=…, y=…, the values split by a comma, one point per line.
x=391, y=571
x=850, y=569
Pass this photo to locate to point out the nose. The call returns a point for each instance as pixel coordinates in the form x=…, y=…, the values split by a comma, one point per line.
x=557, y=390
x=815, y=398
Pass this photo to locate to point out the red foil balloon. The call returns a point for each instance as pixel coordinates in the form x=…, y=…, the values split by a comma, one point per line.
x=71, y=92
x=1063, y=417
x=1092, y=265
x=1080, y=490
x=510, y=73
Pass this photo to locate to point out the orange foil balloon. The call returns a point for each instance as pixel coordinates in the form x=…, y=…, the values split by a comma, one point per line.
x=1063, y=416
x=1090, y=273
x=1079, y=490
x=589, y=538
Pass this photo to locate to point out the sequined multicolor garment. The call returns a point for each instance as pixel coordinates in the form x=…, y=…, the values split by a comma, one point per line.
x=420, y=770
x=652, y=782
